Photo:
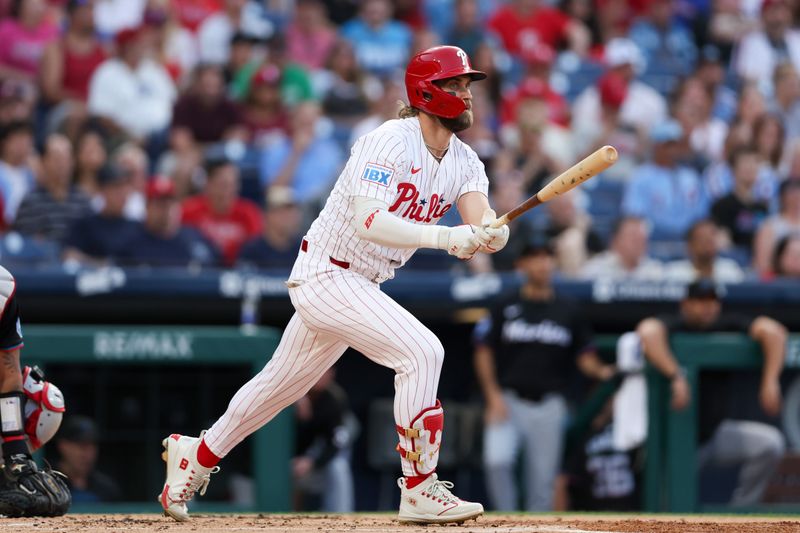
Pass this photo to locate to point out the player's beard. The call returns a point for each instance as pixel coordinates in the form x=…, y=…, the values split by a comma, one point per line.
x=460, y=123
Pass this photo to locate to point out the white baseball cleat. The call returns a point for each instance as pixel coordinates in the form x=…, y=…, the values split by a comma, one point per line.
x=185, y=476
x=432, y=502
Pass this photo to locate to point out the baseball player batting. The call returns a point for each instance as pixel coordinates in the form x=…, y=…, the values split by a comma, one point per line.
x=398, y=183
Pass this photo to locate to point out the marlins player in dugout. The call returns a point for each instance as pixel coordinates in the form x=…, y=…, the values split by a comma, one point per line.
x=399, y=181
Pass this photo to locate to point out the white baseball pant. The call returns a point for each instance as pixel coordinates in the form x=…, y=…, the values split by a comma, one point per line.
x=334, y=310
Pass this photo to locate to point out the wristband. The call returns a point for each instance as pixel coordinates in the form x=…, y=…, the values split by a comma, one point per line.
x=435, y=237
x=679, y=373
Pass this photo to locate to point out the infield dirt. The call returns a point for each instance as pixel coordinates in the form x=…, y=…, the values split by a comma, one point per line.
x=385, y=523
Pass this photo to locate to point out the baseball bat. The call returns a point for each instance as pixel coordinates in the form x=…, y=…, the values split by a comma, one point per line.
x=591, y=165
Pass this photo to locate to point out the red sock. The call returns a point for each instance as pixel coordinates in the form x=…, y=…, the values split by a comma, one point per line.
x=413, y=481
x=205, y=456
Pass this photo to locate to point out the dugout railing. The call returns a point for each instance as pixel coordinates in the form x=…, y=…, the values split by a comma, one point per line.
x=123, y=346
x=671, y=473
x=671, y=477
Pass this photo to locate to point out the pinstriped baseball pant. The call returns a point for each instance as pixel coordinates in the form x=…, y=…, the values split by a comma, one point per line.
x=335, y=309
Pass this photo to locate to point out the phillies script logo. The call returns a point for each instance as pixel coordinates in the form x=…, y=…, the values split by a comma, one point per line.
x=419, y=210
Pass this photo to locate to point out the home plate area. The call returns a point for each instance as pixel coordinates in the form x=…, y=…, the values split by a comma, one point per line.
x=385, y=523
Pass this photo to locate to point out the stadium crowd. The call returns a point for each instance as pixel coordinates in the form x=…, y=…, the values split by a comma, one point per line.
x=189, y=132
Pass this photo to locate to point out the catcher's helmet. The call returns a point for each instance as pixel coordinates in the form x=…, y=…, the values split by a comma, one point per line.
x=438, y=63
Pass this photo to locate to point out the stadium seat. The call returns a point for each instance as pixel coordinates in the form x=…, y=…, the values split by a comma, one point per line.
x=16, y=250
x=572, y=75
x=605, y=199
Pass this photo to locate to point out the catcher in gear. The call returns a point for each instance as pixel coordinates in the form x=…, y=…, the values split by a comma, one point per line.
x=25, y=490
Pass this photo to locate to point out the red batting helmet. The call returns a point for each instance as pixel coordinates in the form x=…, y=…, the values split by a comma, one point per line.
x=433, y=64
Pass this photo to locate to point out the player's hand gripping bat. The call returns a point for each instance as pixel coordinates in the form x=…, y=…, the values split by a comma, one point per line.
x=591, y=165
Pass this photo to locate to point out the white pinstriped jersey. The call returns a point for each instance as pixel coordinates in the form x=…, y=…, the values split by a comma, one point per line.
x=392, y=164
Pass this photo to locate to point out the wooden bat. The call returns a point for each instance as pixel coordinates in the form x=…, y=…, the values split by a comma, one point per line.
x=591, y=165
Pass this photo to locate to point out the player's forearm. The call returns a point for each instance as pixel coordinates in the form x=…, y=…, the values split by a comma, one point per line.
x=286, y=175
x=485, y=371
x=375, y=224
x=471, y=207
x=10, y=374
x=653, y=335
x=591, y=366
x=772, y=336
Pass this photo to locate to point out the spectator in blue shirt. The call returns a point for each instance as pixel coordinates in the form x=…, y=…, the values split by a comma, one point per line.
x=280, y=239
x=382, y=45
x=668, y=47
x=97, y=238
x=161, y=240
x=308, y=161
x=664, y=192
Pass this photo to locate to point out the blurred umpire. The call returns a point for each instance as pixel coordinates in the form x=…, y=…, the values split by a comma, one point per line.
x=526, y=353
x=756, y=446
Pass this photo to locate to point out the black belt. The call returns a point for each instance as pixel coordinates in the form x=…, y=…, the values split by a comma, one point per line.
x=340, y=264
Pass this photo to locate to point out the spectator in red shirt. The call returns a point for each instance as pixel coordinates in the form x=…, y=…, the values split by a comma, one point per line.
x=538, y=62
x=220, y=214
x=522, y=25
x=68, y=65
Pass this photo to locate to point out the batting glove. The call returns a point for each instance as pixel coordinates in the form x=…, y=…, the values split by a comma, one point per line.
x=491, y=239
x=461, y=241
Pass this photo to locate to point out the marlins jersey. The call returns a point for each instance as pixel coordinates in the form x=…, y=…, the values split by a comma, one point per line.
x=393, y=165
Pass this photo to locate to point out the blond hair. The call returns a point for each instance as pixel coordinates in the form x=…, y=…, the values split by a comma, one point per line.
x=406, y=111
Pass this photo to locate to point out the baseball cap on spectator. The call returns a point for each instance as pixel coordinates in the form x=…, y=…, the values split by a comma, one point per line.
x=613, y=90
x=78, y=428
x=621, y=51
x=267, y=75
x=160, y=187
x=538, y=244
x=702, y=289
x=539, y=55
x=241, y=37
x=667, y=131
x=533, y=88
x=109, y=175
x=127, y=36
x=278, y=196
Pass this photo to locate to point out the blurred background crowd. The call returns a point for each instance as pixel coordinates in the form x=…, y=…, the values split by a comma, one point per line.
x=209, y=132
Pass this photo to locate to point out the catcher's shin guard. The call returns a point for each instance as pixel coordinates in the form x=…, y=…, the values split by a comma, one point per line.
x=12, y=426
x=420, y=443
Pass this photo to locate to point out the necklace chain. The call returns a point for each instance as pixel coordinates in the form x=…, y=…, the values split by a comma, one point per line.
x=433, y=149
x=437, y=149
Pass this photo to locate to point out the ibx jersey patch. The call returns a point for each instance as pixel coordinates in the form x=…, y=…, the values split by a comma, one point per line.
x=377, y=174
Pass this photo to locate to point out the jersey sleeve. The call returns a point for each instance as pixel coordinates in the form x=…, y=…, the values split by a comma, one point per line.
x=488, y=330
x=475, y=179
x=377, y=164
x=10, y=329
x=582, y=336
